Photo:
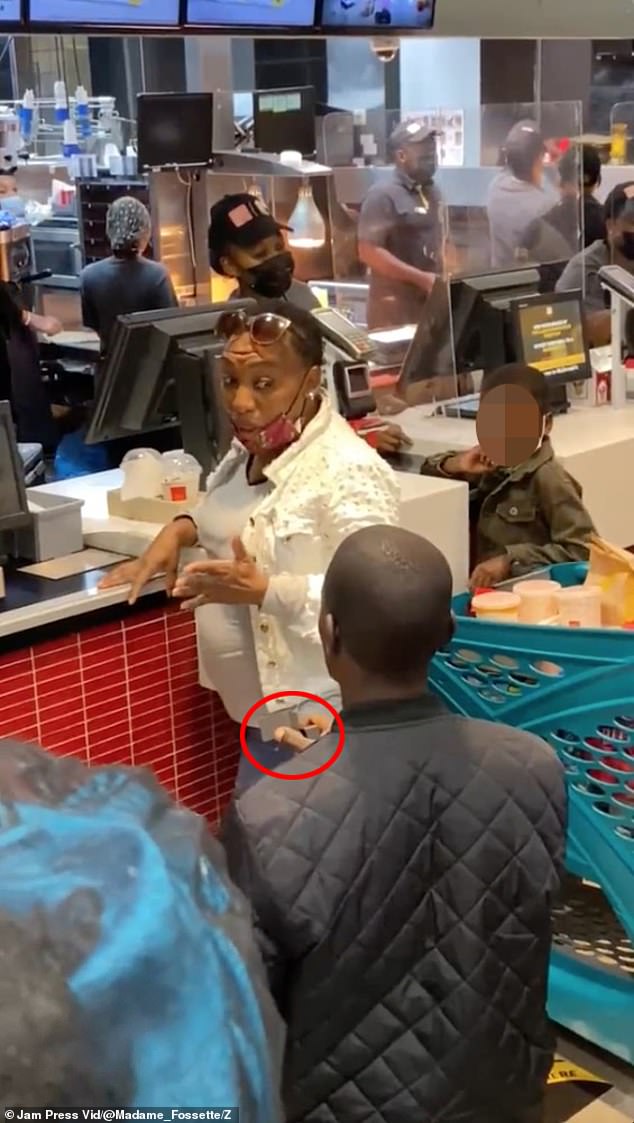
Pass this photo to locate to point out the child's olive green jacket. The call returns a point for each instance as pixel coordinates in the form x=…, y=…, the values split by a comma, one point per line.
x=534, y=512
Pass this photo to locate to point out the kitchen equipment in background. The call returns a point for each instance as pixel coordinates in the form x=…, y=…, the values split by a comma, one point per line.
x=15, y=253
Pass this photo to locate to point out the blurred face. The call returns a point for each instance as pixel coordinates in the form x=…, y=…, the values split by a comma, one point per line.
x=621, y=238
x=7, y=186
x=419, y=161
x=263, y=383
x=510, y=425
x=265, y=268
x=239, y=261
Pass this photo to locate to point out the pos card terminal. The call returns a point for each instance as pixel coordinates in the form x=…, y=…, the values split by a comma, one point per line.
x=348, y=337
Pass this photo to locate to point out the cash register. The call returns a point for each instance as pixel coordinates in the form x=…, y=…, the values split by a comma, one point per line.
x=351, y=382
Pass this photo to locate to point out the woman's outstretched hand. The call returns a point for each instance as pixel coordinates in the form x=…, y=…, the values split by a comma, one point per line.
x=235, y=581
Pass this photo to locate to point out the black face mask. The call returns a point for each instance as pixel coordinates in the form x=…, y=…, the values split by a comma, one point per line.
x=625, y=245
x=273, y=277
x=425, y=170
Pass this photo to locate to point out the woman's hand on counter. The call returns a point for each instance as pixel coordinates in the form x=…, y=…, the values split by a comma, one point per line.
x=160, y=558
x=236, y=581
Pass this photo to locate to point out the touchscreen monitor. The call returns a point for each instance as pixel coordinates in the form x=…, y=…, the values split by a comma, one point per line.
x=122, y=13
x=377, y=15
x=550, y=336
x=251, y=13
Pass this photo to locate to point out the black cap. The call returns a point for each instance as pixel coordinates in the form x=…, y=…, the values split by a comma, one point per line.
x=238, y=220
x=523, y=145
x=410, y=132
x=619, y=201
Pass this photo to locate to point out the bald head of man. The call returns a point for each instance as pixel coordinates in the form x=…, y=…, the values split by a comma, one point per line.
x=386, y=611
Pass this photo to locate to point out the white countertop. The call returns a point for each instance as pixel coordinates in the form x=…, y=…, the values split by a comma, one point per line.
x=64, y=607
x=580, y=431
x=92, y=490
x=435, y=508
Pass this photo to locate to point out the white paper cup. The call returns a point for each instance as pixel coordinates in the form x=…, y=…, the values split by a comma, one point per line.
x=142, y=478
x=538, y=600
x=579, y=607
x=181, y=489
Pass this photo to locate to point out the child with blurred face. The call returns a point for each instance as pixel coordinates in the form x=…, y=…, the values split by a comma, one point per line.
x=526, y=511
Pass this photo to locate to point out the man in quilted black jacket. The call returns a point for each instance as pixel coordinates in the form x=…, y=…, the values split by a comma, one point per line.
x=403, y=896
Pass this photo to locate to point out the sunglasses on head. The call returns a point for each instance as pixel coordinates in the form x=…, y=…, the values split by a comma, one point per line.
x=264, y=329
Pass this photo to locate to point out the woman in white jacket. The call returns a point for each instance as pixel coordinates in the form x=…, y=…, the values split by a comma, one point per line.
x=296, y=481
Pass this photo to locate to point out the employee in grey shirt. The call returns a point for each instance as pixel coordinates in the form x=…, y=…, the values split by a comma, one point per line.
x=126, y=281
x=617, y=248
x=518, y=195
x=247, y=243
x=400, y=230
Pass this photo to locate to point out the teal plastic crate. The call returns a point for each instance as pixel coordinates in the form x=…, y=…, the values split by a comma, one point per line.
x=574, y=687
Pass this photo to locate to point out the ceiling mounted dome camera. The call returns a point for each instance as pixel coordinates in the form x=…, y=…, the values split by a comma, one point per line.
x=385, y=49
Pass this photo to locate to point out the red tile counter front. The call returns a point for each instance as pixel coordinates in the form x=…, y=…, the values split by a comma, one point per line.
x=126, y=692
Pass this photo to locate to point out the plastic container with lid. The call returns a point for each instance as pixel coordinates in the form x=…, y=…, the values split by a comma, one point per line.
x=142, y=474
x=181, y=474
x=579, y=607
x=496, y=606
x=538, y=600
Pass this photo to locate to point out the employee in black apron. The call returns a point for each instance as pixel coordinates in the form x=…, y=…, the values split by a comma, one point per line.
x=400, y=230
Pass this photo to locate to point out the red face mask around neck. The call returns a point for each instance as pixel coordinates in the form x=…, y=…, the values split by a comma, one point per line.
x=279, y=434
x=274, y=437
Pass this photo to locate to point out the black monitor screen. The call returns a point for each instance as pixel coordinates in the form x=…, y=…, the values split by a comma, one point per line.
x=251, y=13
x=159, y=375
x=134, y=13
x=459, y=332
x=175, y=130
x=550, y=336
x=376, y=15
x=14, y=510
x=285, y=119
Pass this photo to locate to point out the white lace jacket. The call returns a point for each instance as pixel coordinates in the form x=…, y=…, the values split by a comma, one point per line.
x=326, y=485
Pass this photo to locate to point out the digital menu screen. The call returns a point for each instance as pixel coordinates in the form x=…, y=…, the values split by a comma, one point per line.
x=551, y=337
x=251, y=13
x=401, y=15
x=9, y=11
x=123, y=13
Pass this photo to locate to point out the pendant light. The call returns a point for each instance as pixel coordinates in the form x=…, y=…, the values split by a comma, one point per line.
x=308, y=229
x=255, y=191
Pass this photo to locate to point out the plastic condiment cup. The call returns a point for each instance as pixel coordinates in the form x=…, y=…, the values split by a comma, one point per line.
x=538, y=600
x=142, y=474
x=496, y=606
x=579, y=607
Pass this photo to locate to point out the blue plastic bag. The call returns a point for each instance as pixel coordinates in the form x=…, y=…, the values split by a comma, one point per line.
x=75, y=458
x=154, y=941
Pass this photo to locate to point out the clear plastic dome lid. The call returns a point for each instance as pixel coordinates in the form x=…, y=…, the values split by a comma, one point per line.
x=141, y=454
x=179, y=464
